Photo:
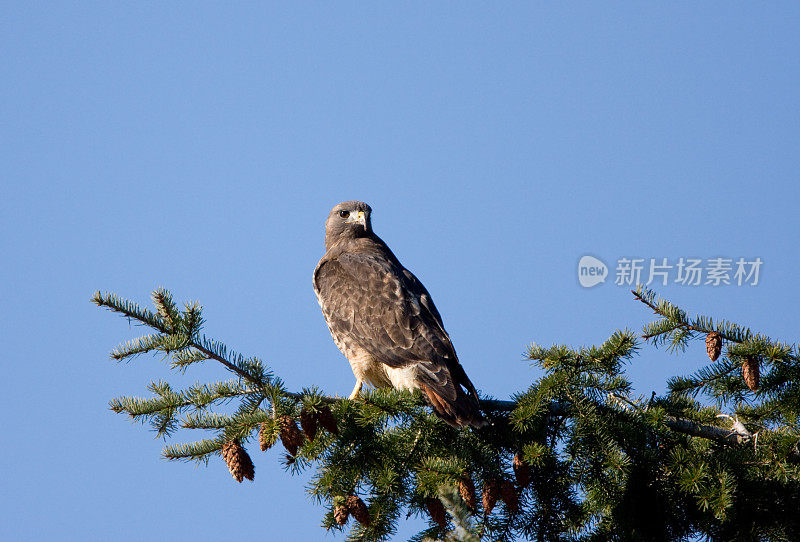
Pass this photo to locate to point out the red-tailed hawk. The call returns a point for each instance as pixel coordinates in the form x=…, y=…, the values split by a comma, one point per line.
x=384, y=321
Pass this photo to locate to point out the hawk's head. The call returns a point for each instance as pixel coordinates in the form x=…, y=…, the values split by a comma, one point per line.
x=349, y=219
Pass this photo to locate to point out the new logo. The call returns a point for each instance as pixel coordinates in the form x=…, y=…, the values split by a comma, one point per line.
x=591, y=271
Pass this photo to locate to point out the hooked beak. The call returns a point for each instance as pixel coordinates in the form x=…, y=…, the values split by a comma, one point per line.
x=358, y=217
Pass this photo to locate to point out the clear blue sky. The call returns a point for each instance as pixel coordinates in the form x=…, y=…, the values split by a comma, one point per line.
x=200, y=146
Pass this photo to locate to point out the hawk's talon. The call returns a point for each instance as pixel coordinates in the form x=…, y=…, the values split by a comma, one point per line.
x=356, y=389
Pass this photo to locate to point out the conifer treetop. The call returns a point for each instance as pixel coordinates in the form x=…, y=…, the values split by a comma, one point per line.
x=713, y=457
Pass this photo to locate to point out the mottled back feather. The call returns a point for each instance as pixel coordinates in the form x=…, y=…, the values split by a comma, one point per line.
x=369, y=299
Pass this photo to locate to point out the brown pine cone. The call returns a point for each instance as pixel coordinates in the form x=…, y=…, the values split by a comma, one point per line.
x=509, y=495
x=308, y=421
x=326, y=420
x=491, y=491
x=522, y=471
x=340, y=513
x=713, y=345
x=239, y=463
x=751, y=373
x=358, y=509
x=266, y=437
x=436, y=510
x=291, y=437
x=467, y=491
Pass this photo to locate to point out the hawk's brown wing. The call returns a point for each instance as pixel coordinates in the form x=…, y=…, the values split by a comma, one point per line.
x=369, y=297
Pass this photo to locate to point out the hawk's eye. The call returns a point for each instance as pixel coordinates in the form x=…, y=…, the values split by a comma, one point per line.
x=344, y=214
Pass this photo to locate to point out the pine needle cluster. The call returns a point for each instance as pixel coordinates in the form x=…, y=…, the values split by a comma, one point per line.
x=576, y=456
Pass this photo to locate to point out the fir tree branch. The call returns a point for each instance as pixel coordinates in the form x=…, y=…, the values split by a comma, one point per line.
x=462, y=519
x=681, y=425
x=129, y=309
x=596, y=458
x=674, y=318
x=210, y=352
x=197, y=451
x=138, y=346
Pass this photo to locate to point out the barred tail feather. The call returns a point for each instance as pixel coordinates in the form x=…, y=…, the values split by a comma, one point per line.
x=463, y=411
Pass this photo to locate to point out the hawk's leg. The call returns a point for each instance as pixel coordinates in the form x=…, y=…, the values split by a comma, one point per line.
x=356, y=389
